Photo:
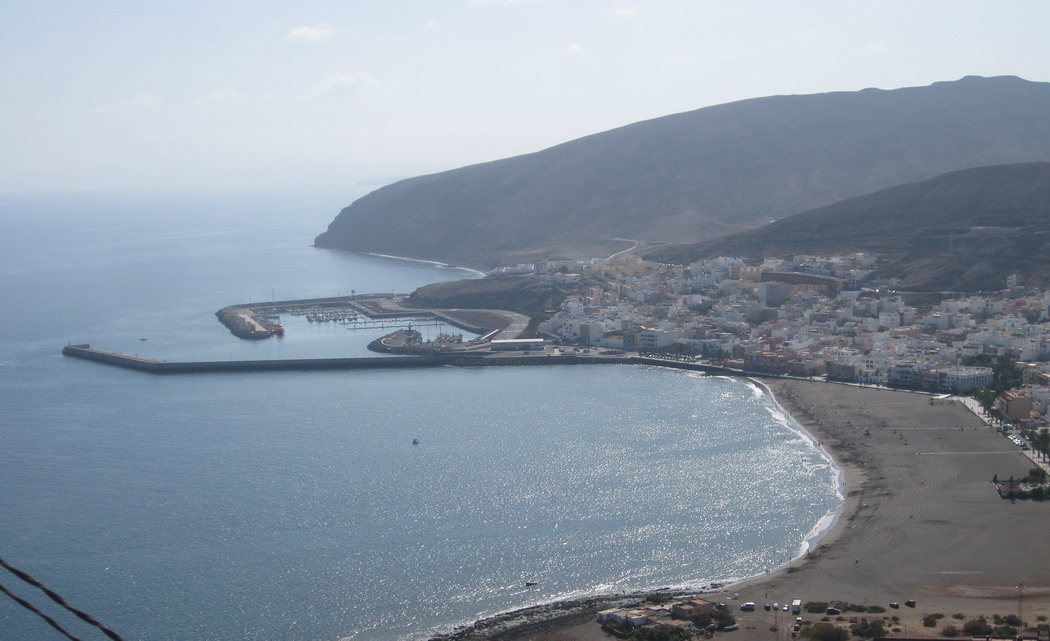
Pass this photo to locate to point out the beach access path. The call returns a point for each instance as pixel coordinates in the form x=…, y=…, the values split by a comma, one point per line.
x=921, y=520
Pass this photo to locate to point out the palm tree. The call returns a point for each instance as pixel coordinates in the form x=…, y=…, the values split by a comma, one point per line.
x=1042, y=442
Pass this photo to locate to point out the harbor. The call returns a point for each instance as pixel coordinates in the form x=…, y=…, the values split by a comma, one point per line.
x=256, y=321
x=498, y=340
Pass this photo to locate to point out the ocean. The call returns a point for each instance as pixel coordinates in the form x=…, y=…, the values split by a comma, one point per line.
x=293, y=506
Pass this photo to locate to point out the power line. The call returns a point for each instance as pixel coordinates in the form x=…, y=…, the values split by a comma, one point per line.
x=29, y=606
x=57, y=599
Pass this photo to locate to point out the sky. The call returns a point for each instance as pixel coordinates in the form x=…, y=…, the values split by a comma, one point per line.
x=325, y=95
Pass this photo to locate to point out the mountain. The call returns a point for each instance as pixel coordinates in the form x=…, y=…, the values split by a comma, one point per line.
x=700, y=174
x=962, y=231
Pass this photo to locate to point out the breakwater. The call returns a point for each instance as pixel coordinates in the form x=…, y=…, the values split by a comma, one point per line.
x=153, y=366
x=456, y=359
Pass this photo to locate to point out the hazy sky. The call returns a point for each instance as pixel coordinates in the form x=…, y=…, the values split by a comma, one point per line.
x=221, y=94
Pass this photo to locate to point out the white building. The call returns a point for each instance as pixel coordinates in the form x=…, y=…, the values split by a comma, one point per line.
x=958, y=378
x=650, y=338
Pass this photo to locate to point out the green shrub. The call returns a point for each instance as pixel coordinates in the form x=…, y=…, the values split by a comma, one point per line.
x=949, y=631
x=723, y=617
x=866, y=629
x=977, y=627
x=930, y=620
x=876, y=609
x=1004, y=632
x=816, y=607
x=658, y=633
x=959, y=615
x=825, y=632
x=1012, y=619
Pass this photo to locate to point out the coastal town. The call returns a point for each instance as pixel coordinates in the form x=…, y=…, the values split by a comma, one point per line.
x=821, y=317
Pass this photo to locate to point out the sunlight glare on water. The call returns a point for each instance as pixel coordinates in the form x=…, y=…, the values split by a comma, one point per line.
x=293, y=506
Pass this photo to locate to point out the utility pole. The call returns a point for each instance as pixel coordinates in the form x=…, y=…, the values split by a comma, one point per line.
x=1020, y=596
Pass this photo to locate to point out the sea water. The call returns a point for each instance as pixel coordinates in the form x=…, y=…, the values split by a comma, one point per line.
x=293, y=505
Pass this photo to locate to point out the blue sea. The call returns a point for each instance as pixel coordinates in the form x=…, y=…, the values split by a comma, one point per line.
x=292, y=506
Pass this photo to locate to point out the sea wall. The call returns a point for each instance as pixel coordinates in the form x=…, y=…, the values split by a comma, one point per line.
x=152, y=366
x=456, y=359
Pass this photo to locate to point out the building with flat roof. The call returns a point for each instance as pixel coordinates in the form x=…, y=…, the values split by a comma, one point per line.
x=512, y=344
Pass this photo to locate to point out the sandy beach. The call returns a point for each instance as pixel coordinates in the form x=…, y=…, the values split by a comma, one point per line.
x=921, y=520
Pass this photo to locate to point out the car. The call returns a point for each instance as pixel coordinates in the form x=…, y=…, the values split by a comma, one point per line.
x=798, y=620
x=895, y=605
x=786, y=608
x=766, y=607
x=910, y=603
x=748, y=607
x=832, y=611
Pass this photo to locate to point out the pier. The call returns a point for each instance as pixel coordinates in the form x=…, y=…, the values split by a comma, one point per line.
x=450, y=359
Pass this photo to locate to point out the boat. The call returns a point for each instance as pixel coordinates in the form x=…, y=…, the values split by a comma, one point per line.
x=415, y=441
x=529, y=584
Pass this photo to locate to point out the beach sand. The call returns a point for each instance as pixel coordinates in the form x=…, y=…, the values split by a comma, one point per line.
x=921, y=520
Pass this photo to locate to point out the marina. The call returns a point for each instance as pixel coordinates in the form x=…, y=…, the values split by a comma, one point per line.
x=255, y=321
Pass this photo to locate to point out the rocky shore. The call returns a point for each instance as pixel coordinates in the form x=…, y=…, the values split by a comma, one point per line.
x=243, y=324
x=540, y=620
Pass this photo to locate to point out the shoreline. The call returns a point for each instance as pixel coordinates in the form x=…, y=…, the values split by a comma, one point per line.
x=527, y=622
x=849, y=477
x=435, y=263
x=919, y=520
x=852, y=479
